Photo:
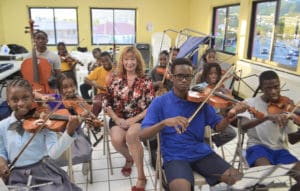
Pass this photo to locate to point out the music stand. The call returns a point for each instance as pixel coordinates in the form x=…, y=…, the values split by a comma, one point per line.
x=262, y=175
x=26, y=187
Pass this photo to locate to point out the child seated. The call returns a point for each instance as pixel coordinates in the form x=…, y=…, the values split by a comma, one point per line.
x=34, y=160
x=211, y=75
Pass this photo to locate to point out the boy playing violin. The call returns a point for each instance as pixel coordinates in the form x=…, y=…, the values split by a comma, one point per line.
x=182, y=142
x=266, y=144
x=98, y=79
x=33, y=161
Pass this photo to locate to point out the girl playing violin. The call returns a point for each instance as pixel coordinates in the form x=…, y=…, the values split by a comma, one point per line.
x=68, y=63
x=81, y=148
x=33, y=161
x=211, y=75
x=158, y=72
x=266, y=136
x=209, y=57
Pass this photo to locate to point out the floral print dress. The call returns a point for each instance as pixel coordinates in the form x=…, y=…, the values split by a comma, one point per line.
x=129, y=101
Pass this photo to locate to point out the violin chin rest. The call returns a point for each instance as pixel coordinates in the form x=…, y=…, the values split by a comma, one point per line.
x=199, y=87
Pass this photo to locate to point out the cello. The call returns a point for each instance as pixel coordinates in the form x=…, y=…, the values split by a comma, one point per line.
x=36, y=70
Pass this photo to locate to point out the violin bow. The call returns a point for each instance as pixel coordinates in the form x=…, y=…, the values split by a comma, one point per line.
x=11, y=165
x=211, y=93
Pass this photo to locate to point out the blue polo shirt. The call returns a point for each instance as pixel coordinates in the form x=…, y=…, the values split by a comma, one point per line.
x=190, y=145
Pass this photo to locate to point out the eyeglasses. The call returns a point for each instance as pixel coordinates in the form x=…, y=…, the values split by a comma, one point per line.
x=183, y=76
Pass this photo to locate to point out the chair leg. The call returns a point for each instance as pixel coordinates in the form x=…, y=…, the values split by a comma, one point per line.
x=223, y=152
x=91, y=171
x=242, y=162
x=70, y=165
x=106, y=144
x=158, y=170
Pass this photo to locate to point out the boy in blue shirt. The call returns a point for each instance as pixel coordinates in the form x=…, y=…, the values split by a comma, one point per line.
x=182, y=143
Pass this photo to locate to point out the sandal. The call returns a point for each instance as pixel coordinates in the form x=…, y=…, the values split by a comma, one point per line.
x=134, y=188
x=126, y=171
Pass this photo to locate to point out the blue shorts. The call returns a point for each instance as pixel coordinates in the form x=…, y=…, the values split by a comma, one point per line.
x=281, y=156
x=211, y=167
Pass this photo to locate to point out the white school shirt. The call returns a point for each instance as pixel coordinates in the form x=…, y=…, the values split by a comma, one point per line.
x=44, y=143
x=266, y=133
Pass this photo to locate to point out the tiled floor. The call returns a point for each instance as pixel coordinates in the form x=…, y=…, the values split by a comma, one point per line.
x=104, y=181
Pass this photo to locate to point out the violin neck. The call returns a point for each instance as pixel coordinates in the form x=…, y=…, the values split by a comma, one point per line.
x=225, y=97
x=63, y=117
x=59, y=117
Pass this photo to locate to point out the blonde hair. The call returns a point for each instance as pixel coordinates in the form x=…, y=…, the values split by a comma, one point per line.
x=140, y=61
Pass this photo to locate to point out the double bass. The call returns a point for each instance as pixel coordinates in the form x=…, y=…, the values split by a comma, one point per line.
x=36, y=70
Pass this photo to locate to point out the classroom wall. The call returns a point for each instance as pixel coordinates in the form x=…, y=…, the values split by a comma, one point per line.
x=163, y=14
x=1, y=24
x=201, y=19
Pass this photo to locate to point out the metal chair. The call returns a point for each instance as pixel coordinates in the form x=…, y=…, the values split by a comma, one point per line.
x=242, y=164
x=106, y=140
x=159, y=175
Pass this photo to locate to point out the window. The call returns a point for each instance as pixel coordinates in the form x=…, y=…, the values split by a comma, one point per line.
x=225, y=26
x=275, y=33
x=59, y=23
x=113, y=26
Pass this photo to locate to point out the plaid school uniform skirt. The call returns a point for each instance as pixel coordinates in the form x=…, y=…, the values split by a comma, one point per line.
x=45, y=171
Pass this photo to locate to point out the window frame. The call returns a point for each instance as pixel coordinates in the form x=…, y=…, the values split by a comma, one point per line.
x=226, y=26
x=269, y=62
x=113, y=9
x=54, y=24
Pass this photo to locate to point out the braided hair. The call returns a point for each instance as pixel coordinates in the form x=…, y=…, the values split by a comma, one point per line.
x=20, y=82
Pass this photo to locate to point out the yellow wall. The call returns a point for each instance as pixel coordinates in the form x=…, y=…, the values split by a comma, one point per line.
x=1, y=24
x=163, y=14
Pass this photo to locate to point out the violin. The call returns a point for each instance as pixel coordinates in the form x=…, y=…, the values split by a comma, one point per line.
x=81, y=107
x=77, y=104
x=200, y=92
x=36, y=70
x=219, y=99
x=70, y=60
x=56, y=122
x=163, y=71
x=284, y=105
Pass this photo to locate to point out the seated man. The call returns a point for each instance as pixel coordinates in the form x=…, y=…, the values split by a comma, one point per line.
x=182, y=142
x=266, y=144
